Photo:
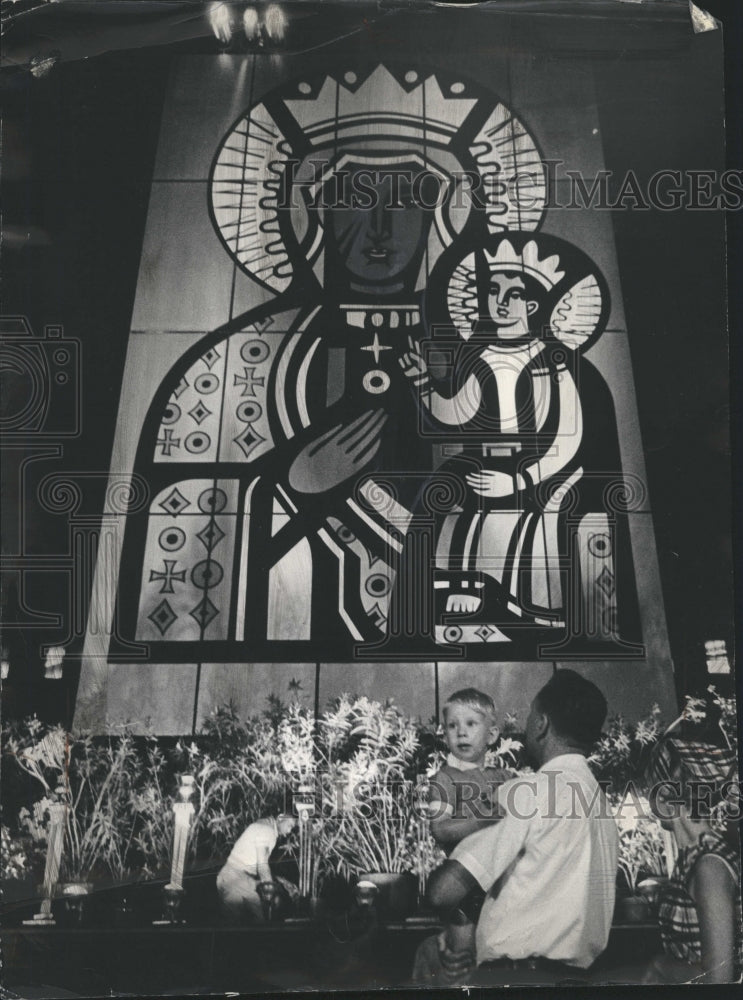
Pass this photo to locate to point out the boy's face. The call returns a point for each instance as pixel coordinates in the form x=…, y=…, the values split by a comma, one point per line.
x=468, y=732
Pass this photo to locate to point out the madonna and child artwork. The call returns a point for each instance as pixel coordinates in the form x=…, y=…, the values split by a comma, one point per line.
x=407, y=431
x=367, y=595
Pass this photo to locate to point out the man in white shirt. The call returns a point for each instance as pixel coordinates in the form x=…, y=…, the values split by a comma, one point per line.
x=247, y=865
x=549, y=866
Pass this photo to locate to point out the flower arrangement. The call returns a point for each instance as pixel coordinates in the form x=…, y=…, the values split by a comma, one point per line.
x=98, y=782
x=712, y=717
x=621, y=755
x=14, y=855
x=365, y=762
x=642, y=847
x=362, y=757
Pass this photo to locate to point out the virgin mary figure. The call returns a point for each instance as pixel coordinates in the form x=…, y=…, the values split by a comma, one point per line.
x=283, y=450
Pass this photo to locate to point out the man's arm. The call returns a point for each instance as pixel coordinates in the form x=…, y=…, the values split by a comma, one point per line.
x=485, y=855
x=449, y=884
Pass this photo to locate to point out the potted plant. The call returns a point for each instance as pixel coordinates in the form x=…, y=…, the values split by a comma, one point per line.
x=641, y=858
x=368, y=829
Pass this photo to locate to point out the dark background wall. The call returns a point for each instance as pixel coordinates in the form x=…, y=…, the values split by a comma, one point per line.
x=79, y=151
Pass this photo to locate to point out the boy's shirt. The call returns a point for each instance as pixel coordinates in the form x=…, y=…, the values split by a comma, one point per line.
x=461, y=790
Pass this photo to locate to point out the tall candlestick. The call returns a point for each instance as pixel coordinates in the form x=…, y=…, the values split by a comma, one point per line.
x=183, y=811
x=304, y=803
x=54, y=846
x=422, y=831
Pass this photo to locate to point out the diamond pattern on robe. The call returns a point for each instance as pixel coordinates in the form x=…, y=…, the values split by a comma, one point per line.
x=378, y=616
x=199, y=413
x=163, y=616
x=484, y=632
x=606, y=581
x=204, y=612
x=174, y=502
x=210, y=535
x=248, y=440
x=211, y=357
x=261, y=325
x=181, y=387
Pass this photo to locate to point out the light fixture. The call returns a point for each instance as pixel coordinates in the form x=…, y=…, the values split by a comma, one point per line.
x=275, y=22
x=53, y=663
x=251, y=23
x=43, y=65
x=717, y=657
x=221, y=22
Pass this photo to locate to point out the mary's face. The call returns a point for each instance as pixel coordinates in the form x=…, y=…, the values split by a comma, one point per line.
x=379, y=220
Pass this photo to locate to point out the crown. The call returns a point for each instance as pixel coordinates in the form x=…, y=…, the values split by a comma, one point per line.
x=379, y=106
x=547, y=271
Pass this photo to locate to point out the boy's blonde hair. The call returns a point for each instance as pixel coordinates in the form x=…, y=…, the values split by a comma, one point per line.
x=478, y=701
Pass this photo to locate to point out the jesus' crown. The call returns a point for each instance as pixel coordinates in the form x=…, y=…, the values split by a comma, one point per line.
x=506, y=258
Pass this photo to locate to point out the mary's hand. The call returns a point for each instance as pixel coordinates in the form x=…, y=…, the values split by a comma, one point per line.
x=337, y=455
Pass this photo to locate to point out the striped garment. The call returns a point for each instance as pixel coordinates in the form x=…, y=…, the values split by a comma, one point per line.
x=677, y=915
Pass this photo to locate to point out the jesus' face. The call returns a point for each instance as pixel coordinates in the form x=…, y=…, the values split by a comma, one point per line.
x=508, y=305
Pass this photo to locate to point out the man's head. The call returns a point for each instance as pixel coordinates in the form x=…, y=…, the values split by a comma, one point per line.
x=469, y=724
x=566, y=716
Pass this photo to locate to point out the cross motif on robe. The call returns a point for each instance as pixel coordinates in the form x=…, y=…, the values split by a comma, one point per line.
x=376, y=348
x=167, y=442
x=168, y=576
x=248, y=381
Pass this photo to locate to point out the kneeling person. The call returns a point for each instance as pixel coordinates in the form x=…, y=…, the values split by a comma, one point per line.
x=247, y=865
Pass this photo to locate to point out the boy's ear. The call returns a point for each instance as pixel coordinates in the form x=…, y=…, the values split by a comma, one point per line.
x=531, y=307
x=494, y=733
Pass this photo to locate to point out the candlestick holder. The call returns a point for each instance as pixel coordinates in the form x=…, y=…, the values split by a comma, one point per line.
x=304, y=806
x=268, y=893
x=365, y=894
x=172, y=904
x=303, y=794
x=55, y=843
x=183, y=810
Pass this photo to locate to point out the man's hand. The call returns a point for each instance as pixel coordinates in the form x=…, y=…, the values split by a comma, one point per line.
x=456, y=965
x=337, y=455
x=491, y=484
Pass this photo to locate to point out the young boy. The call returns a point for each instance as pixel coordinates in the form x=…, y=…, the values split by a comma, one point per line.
x=463, y=790
x=461, y=801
